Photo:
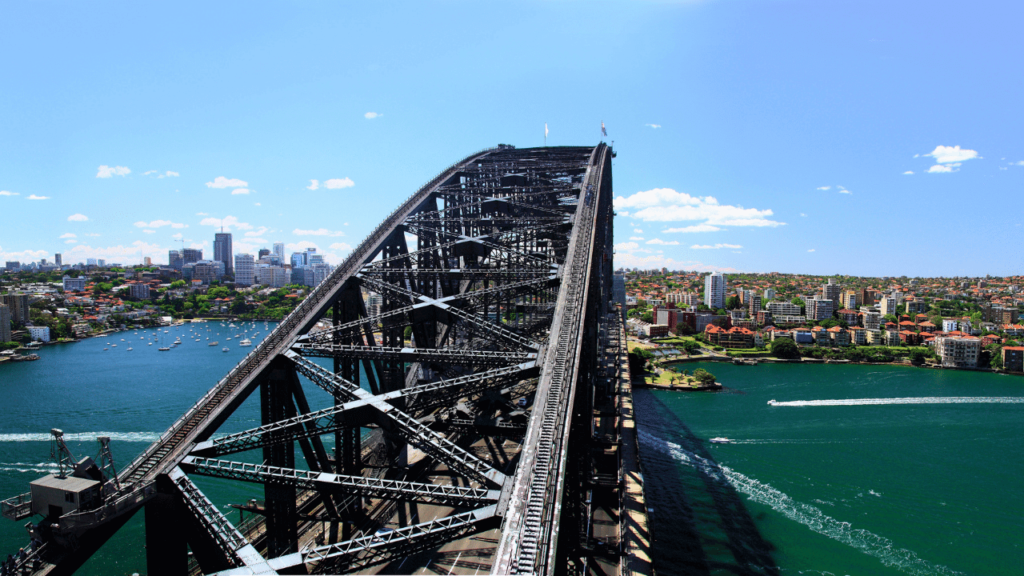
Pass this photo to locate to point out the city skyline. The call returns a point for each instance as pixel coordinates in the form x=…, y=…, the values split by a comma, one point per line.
x=868, y=138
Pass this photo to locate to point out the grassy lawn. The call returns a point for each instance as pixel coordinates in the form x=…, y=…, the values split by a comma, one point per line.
x=631, y=345
x=674, y=340
x=665, y=379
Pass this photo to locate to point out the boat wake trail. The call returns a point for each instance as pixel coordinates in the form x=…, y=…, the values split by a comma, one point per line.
x=924, y=400
x=867, y=542
x=82, y=437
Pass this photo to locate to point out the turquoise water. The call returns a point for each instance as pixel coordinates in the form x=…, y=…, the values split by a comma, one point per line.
x=131, y=397
x=889, y=486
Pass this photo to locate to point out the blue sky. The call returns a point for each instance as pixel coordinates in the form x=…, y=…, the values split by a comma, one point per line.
x=751, y=135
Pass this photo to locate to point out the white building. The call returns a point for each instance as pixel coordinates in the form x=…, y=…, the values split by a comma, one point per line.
x=139, y=291
x=769, y=293
x=887, y=305
x=784, y=309
x=245, y=269
x=714, y=290
x=958, y=352
x=819, y=308
x=74, y=284
x=872, y=320
x=279, y=251
x=39, y=333
x=949, y=325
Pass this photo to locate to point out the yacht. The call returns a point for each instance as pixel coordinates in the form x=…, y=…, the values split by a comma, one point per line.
x=720, y=440
x=164, y=349
x=129, y=348
x=214, y=343
x=225, y=349
x=245, y=342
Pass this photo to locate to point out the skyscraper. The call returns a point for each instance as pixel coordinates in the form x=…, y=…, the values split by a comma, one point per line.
x=57, y=260
x=222, y=251
x=191, y=255
x=263, y=252
x=714, y=290
x=175, y=260
x=245, y=270
x=279, y=251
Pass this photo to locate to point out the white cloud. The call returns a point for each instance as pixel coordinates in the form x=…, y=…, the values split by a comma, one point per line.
x=715, y=246
x=823, y=188
x=630, y=260
x=371, y=115
x=803, y=215
x=844, y=191
x=148, y=172
x=626, y=246
x=7, y=193
x=68, y=235
x=77, y=218
x=159, y=224
x=222, y=182
x=313, y=185
x=811, y=250
x=908, y=172
x=108, y=171
x=258, y=232
x=170, y=174
x=655, y=126
x=944, y=169
x=34, y=197
x=661, y=242
x=238, y=191
x=336, y=183
x=637, y=231
x=71, y=241
x=667, y=205
x=319, y=232
x=228, y=222
x=93, y=235
x=638, y=238
x=340, y=246
x=24, y=255
x=177, y=236
x=949, y=154
x=128, y=253
x=1020, y=163
x=694, y=228
x=150, y=231
x=258, y=204
x=622, y=213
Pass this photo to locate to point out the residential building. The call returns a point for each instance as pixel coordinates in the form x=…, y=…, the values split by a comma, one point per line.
x=958, y=351
x=263, y=252
x=916, y=307
x=139, y=291
x=714, y=290
x=39, y=333
x=245, y=270
x=784, y=309
x=840, y=336
x=866, y=297
x=831, y=291
x=786, y=320
x=5, y=323
x=803, y=336
x=12, y=265
x=101, y=262
x=298, y=259
x=373, y=304
x=735, y=337
x=222, y=251
x=1013, y=358
x=147, y=261
x=18, y=306
x=765, y=317
x=206, y=271
x=74, y=284
x=850, y=316
x=858, y=336
x=90, y=262
x=819, y=308
x=872, y=320
x=849, y=299
x=1008, y=316
x=769, y=293
x=950, y=324
x=755, y=304
x=887, y=305
x=874, y=336
x=821, y=336
x=891, y=337
x=273, y=276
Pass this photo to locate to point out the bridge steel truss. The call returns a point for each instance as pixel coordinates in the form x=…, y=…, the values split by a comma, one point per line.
x=498, y=299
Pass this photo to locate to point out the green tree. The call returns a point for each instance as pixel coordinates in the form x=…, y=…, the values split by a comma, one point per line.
x=785, y=348
x=917, y=357
x=704, y=377
x=732, y=302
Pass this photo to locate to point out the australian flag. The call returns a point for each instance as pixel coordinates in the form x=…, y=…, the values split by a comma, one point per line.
x=603, y=131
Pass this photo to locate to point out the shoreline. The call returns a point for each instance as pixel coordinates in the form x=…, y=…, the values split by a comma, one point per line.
x=770, y=360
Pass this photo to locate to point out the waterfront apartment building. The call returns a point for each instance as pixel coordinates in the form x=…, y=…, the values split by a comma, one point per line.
x=39, y=333
x=5, y=323
x=245, y=270
x=872, y=320
x=784, y=309
x=714, y=290
x=222, y=251
x=74, y=284
x=819, y=308
x=949, y=324
x=18, y=306
x=957, y=351
x=1013, y=358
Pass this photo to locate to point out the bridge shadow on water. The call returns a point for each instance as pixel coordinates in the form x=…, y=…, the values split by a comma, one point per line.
x=701, y=523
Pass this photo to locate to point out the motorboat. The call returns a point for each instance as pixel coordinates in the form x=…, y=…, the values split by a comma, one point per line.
x=225, y=349
x=720, y=440
x=164, y=349
x=245, y=342
x=771, y=402
x=214, y=343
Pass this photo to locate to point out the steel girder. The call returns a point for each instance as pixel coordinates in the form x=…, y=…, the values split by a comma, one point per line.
x=495, y=237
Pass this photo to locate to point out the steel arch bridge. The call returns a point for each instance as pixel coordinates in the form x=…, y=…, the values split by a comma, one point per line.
x=457, y=392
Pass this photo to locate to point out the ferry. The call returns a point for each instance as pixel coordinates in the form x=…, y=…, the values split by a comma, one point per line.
x=720, y=440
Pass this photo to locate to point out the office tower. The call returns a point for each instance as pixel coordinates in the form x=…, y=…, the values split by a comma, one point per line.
x=175, y=259
x=279, y=251
x=831, y=291
x=714, y=290
x=245, y=269
x=263, y=252
x=191, y=255
x=222, y=250
x=58, y=260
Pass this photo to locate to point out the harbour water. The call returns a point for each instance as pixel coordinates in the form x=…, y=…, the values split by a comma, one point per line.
x=849, y=472
x=131, y=396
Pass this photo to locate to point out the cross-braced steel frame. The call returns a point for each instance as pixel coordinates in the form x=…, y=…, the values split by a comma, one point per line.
x=486, y=285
